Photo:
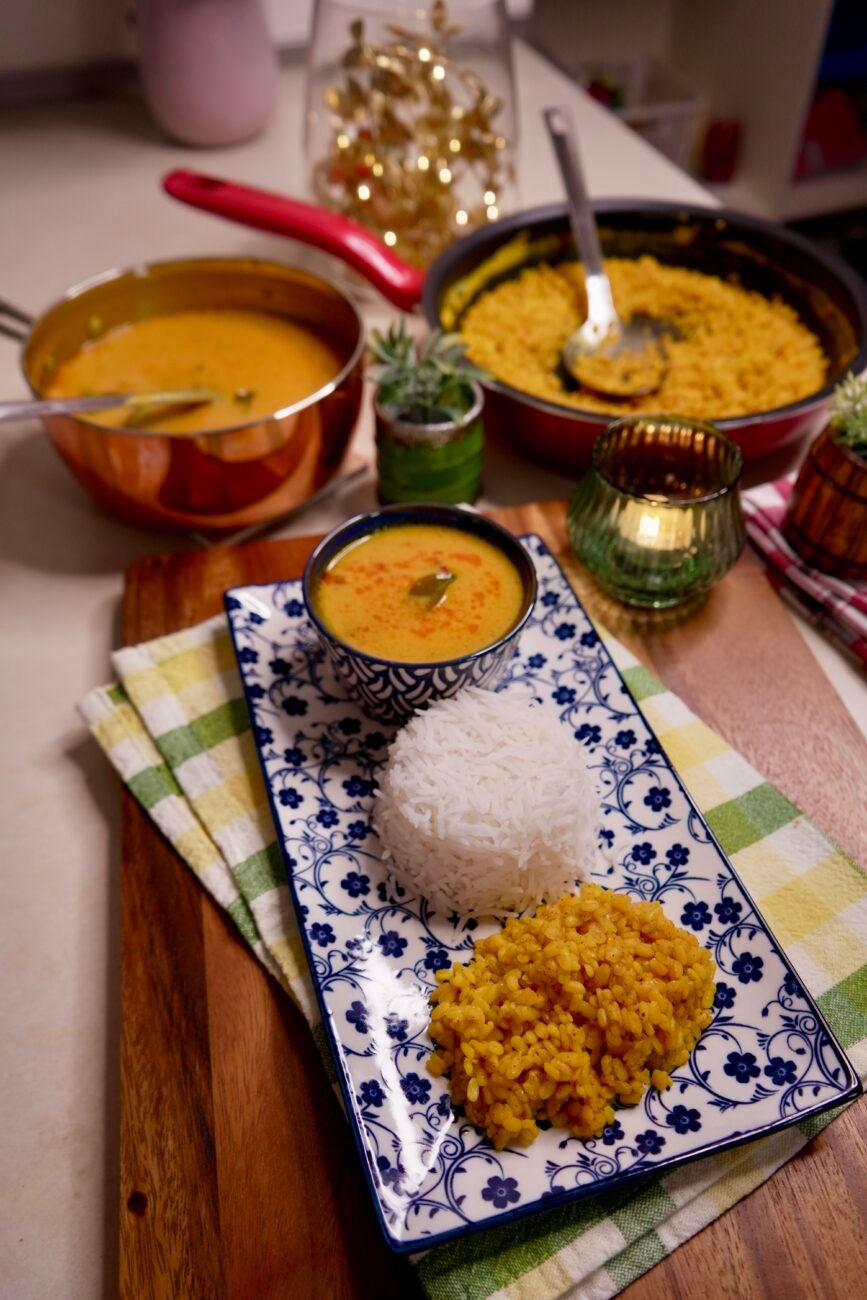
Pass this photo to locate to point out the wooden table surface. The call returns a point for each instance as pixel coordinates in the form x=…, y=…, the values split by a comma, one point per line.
x=238, y=1173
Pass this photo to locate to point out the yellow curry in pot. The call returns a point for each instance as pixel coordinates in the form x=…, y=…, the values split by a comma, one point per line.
x=254, y=362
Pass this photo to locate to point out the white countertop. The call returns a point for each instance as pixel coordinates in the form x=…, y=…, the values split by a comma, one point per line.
x=80, y=194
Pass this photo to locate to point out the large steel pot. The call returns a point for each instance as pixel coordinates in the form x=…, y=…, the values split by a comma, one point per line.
x=229, y=478
x=828, y=295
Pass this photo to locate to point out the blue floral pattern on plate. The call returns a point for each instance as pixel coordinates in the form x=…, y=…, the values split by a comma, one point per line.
x=767, y=1060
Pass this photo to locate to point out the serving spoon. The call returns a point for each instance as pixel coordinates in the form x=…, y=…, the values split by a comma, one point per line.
x=139, y=405
x=614, y=357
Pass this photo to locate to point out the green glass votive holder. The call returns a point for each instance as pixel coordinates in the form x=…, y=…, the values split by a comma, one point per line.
x=440, y=461
x=657, y=519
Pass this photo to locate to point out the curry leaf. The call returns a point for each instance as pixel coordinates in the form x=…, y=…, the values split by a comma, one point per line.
x=434, y=586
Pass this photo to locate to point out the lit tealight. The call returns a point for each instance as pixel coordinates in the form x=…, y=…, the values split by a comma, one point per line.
x=390, y=238
x=363, y=192
x=648, y=528
x=423, y=163
x=343, y=142
x=445, y=175
x=438, y=72
x=490, y=197
x=461, y=217
x=492, y=212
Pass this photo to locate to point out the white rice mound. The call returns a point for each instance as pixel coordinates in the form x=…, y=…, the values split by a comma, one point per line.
x=485, y=807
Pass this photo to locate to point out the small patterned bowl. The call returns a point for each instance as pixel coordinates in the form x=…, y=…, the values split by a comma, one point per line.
x=388, y=689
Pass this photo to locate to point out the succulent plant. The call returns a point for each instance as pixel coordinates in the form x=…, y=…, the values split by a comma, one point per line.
x=430, y=384
x=849, y=414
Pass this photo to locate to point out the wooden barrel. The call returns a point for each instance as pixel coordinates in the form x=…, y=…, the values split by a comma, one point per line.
x=826, y=521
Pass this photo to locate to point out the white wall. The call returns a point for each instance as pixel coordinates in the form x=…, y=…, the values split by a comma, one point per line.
x=41, y=34
x=583, y=31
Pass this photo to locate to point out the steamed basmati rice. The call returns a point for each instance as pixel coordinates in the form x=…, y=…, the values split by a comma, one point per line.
x=485, y=806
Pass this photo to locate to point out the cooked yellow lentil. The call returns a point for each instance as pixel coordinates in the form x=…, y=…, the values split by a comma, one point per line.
x=735, y=353
x=562, y=1014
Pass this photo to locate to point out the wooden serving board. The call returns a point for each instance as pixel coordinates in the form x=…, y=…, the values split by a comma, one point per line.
x=239, y=1176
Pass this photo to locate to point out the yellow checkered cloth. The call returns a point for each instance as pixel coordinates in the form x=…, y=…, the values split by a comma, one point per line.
x=176, y=729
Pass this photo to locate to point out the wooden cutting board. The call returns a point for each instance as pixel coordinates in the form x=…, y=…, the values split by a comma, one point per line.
x=238, y=1173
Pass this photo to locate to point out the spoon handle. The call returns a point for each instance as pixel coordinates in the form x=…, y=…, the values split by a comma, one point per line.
x=32, y=408
x=580, y=211
x=600, y=303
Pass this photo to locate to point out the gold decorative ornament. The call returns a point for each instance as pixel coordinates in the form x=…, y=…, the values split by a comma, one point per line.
x=414, y=150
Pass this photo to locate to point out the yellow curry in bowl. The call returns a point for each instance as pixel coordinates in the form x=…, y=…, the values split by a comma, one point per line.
x=254, y=362
x=419, y=593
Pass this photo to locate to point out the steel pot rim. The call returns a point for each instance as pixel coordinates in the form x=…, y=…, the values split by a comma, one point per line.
x=142, y=270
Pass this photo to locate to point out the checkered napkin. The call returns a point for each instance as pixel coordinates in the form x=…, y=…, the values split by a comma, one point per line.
x=838, y=608
x=176, y=729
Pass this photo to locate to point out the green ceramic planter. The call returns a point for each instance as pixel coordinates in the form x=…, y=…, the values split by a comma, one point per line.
x=430, y=462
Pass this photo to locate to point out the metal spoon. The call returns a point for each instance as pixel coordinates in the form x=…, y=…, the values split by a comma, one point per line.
x=611, y=356
x=139, y=405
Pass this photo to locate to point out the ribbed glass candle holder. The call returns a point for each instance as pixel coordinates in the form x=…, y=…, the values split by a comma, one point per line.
x=657, y=519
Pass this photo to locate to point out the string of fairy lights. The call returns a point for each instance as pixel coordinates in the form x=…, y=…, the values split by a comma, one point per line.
x=414, y=150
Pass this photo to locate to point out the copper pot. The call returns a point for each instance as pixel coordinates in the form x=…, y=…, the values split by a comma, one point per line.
x=227, y=478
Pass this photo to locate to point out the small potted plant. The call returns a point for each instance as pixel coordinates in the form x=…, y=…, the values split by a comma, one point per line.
x=826, y=522
x=428, y=418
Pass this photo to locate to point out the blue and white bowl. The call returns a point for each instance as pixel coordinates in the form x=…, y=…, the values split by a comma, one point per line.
x=386, y=688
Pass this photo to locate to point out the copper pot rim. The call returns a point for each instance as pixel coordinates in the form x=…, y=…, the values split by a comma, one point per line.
x=141, y=270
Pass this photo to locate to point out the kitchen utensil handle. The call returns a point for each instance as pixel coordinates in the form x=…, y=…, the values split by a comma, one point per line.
x=580, y=210
x=14, y=322
x=34, y=407
x=400, y=283
x=137, y=403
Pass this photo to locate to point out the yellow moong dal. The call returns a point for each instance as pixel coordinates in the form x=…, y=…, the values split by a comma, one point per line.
x=560, y=1015
x=380, y=595
x=734, y=352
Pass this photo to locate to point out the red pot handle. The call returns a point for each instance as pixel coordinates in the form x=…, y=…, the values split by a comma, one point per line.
x=400, y=283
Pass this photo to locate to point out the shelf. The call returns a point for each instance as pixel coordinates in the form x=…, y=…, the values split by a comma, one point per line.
x=816, y=195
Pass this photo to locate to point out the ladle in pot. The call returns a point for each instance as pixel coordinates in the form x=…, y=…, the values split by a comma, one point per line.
x=617, y=358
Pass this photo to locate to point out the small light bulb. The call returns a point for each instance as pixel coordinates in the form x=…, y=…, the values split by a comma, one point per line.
x=424, y=54
x=423, y=163
x=461, y=217
x=455, y=146
x=363, y=192
x=445, y=175
x=343, y=142
x=492, y=212
x=390, y=238
x=438, y=72
x=377, y=169
x=490, y=197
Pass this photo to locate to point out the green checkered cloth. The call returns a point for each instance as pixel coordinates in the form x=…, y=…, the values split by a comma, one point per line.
x=176, y=729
